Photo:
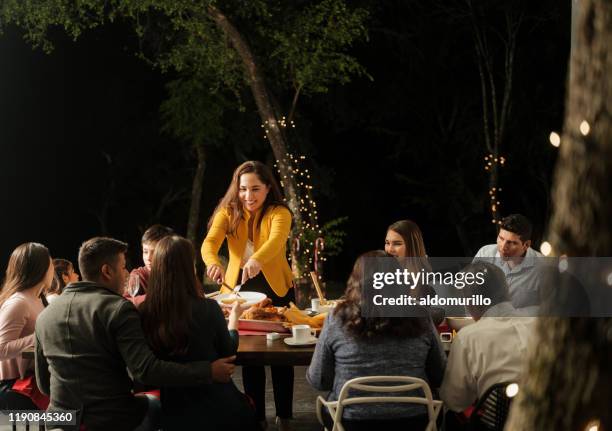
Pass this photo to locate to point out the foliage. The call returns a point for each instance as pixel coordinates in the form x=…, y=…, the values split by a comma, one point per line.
x=333, y=236
x=192, y=112
x=302, y=47
x=303, y=43
x=307, y=235
x=312, y=52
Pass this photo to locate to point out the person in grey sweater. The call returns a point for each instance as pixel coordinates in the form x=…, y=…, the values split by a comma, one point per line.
x=352, y=345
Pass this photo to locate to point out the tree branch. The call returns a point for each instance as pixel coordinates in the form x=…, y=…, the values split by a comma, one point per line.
x=294, y=103
x=480, y=59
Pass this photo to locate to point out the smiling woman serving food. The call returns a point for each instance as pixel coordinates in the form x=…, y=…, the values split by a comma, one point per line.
x=256, y=223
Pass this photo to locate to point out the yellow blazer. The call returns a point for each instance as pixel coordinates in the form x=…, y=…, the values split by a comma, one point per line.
x=269, y=246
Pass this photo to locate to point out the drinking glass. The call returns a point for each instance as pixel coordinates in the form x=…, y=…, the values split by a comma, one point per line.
x=133, y=285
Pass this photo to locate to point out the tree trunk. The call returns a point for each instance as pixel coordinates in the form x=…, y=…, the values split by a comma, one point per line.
x=567, y=384
x=265, y=109
x=580, y=224
x=464, y=238
x=494, y=120
x=197, y=187
x=194, y=222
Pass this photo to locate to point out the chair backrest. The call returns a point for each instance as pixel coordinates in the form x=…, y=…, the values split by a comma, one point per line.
x=394, y=385
x=491, y=410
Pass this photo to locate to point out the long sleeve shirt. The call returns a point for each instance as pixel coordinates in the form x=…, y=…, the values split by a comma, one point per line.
x=86, y=341
x=523, y=280
x=339, y=357
x=18, y=316
x=269, y=246
x=490, y=351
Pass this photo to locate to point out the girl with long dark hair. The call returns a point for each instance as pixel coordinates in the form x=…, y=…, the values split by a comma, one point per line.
x=64, y=275
x=357, y=343
x=182, y=325
x=404, y=241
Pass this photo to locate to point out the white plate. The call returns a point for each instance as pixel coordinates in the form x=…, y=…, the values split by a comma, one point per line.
x=251, y=297
x=291, y=342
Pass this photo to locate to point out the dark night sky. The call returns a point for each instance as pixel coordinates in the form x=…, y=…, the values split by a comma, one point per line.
x=59, y=112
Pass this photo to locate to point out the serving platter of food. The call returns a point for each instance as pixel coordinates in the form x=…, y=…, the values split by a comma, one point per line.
x=265, y=317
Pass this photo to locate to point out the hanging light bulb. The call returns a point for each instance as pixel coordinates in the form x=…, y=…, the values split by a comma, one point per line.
x=584, y=128
x=555, y=139
x=592, y=426
x=511, y=390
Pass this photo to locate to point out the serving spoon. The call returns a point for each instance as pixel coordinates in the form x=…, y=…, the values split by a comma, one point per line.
x=235, y=290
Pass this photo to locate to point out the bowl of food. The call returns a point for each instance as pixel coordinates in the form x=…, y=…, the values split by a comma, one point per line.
x=325, y=308
x=457, y=323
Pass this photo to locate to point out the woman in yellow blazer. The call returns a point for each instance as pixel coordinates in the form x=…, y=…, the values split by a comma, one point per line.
x=256, y=223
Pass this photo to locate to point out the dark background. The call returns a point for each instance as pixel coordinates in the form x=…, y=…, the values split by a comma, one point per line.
x=80, y=129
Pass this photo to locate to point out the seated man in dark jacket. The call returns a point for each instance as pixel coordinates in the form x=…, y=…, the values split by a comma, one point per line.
x=90, y=337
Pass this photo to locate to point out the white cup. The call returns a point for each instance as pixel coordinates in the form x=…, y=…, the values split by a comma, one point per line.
x=302, y=333
x=315, y=304
x=446, y=337
x=325, y=308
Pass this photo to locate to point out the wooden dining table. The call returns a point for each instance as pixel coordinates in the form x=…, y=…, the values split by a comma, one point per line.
x=256, y=350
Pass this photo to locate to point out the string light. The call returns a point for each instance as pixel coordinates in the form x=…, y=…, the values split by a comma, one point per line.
x=495, y=204
x=511, y=390
x=554, y=139
x=490, y=160
x=584, y=128
x=307, y=228
x=563, y=264
x=592, y=426
x=546, y=248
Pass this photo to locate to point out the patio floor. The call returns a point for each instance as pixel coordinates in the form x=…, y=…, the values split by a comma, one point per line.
x=304, y=417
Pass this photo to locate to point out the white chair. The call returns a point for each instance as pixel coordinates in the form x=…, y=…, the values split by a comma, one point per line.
x=400, y=384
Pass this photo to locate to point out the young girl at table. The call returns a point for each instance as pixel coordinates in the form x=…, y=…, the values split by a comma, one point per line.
x=29, y=273
x=404, y=241
x=64, y=275
x=182, y=325
x=255, y=222
x=354, y=343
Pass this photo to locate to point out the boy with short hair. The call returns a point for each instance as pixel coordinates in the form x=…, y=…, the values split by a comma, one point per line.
x=150, y=239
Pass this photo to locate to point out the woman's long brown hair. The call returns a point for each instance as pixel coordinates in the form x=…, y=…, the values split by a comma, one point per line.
x=416, y=255
x=166, y=312
x=369, y=328
x=231, y=200
x=62, y=267
x=27, y=267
